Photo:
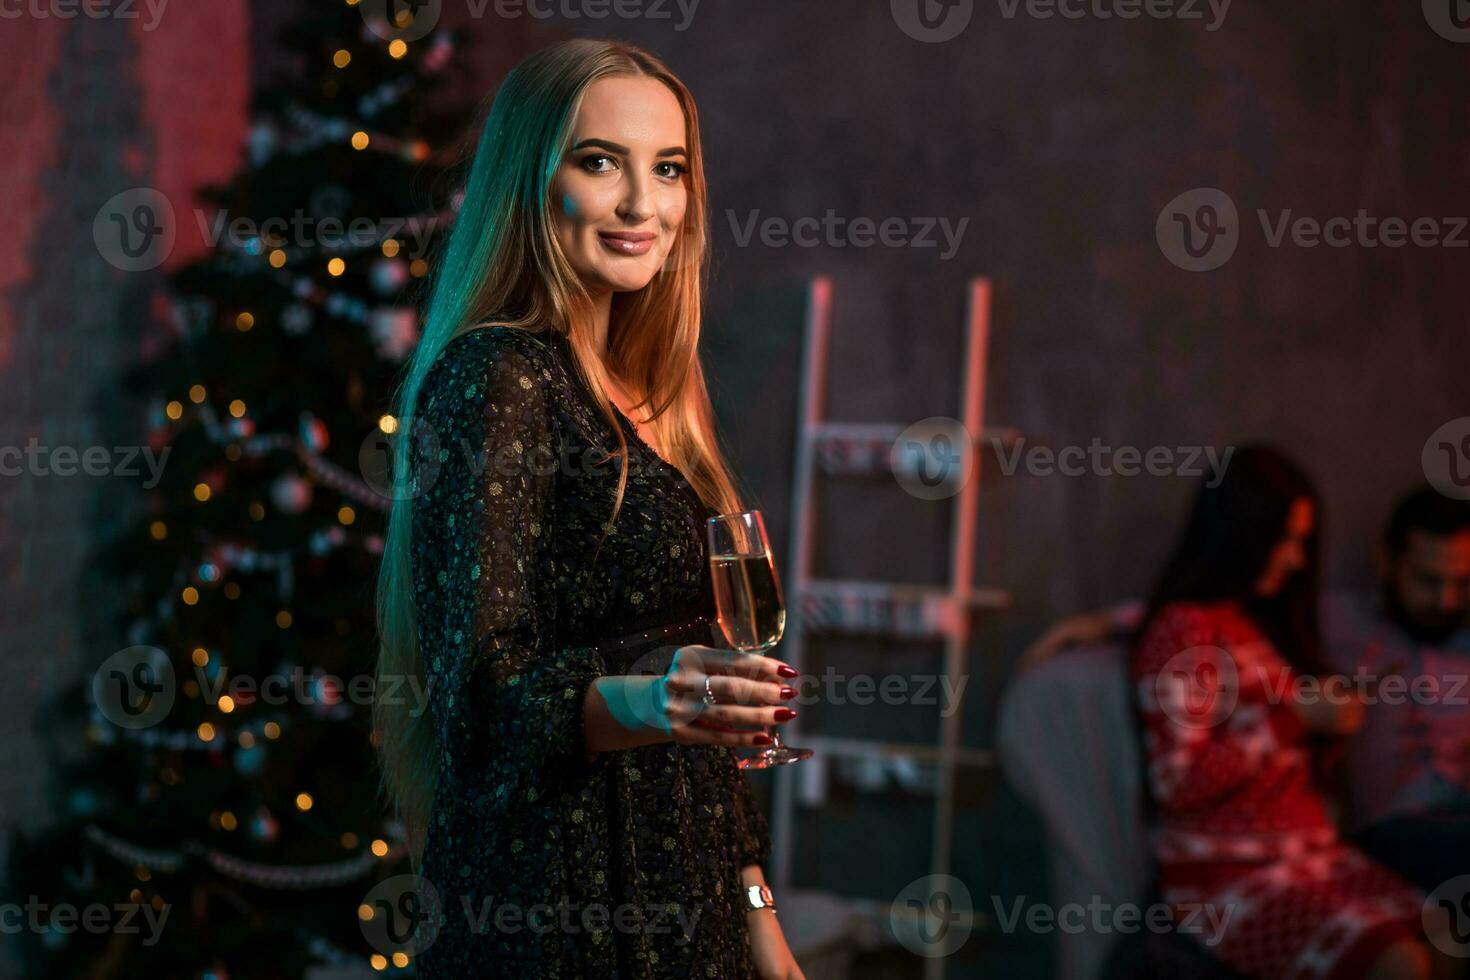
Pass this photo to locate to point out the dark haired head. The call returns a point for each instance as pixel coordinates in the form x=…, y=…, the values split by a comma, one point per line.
x=1227, y=544
x=1424, y=509
x=1425, y=566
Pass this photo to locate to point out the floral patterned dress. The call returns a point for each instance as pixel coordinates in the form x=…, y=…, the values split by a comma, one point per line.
x=548, y=861
x=1247, y=853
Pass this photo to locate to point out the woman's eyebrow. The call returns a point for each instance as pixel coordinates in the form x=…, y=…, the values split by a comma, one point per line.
x=668, y=151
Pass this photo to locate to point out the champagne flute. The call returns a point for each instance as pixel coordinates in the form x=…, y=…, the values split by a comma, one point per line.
x=748, y=600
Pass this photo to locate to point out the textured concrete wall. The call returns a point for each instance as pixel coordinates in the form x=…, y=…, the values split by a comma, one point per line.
x=91, y=107
x=1057, y=140
x=1061, y=140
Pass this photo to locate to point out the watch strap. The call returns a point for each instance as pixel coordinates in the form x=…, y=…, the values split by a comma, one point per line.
x=759, y=897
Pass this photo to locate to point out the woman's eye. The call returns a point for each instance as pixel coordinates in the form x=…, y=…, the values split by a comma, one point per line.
x=595, y=163
x=672, y=170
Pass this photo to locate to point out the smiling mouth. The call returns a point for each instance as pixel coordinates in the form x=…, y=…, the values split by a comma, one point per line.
x=627, y=242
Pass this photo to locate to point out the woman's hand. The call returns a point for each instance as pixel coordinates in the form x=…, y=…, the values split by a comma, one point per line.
x=1334, y=707
x=773, y=959
x=749, y=692
x=1085, y=630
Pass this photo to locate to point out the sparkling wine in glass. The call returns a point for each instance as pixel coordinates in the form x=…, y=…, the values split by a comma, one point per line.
x=748, y=599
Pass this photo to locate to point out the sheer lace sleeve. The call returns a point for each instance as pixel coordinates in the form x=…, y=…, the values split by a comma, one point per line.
x=502, y=692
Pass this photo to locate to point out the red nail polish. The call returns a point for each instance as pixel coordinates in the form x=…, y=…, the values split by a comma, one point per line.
x=762, y=740
x=787, y=671
x=787, y=693
x=785, y=714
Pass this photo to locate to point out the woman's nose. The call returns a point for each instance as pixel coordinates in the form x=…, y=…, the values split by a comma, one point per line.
x=637, y=203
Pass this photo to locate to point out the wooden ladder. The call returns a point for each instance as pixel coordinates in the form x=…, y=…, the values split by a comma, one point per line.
x=900, y=610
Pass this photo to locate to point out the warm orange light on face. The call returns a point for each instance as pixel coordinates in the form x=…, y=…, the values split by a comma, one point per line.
x=620, y=196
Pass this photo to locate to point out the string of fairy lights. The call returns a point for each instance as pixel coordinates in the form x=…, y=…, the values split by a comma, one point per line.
x=393, y=329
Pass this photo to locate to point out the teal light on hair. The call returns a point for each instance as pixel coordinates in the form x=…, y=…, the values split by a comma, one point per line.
x=501, y=265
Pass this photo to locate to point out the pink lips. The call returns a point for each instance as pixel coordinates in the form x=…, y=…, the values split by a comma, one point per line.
x=628, y=242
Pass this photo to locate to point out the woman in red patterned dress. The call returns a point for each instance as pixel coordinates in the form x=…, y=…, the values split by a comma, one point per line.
x=1227, y=673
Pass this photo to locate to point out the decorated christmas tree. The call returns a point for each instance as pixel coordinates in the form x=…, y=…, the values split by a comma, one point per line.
x=215, y=786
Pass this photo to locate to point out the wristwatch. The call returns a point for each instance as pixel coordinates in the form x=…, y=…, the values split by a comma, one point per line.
x=759, y=897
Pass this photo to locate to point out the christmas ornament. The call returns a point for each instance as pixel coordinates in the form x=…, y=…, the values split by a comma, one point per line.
x=290, y=494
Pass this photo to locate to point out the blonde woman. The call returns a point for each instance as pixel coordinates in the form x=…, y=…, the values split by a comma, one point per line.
x=576, y=813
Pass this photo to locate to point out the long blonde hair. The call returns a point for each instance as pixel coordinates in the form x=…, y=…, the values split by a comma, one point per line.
x=502, y=265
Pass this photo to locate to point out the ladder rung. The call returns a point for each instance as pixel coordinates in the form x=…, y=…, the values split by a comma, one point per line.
x=868, y=590
x=908, y=610
x=863, y=748
x=876, y=432
x=865, y=449
x=882, y=911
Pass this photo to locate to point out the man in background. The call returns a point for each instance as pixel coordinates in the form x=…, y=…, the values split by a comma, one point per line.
x=1405, y=648
x=1408, y=767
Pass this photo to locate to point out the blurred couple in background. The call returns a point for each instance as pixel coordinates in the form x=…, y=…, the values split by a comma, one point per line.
x=1306, y=755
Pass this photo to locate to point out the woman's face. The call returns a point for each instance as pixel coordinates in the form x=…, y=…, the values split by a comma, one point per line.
x=1290, y=554
x=620, y=192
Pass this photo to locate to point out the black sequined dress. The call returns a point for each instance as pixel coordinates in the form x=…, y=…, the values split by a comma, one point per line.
x=548, y=862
